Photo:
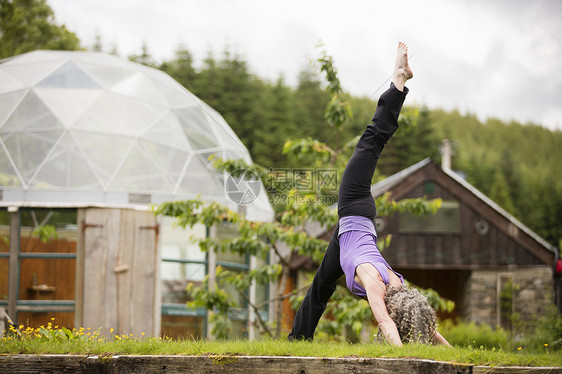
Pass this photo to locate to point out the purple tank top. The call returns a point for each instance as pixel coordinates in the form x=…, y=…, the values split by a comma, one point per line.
x=358, y=245
x=357, y=223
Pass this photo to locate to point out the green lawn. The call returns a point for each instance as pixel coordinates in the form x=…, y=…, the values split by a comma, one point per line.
x=273, y=347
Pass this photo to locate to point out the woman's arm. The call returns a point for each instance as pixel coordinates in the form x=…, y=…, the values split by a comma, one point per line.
x=438, y=338
x=370, y=280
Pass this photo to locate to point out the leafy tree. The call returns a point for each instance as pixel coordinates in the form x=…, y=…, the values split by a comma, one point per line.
x=27, y=25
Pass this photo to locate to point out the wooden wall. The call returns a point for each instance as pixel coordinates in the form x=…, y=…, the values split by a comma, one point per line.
x=43, y=279
x=467, y=249
x=118, y=257
x=47, y=279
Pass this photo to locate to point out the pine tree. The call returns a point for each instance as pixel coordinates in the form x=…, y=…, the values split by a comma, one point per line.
x=499, y=192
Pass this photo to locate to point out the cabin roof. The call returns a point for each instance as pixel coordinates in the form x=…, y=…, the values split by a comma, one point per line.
x=394, y=180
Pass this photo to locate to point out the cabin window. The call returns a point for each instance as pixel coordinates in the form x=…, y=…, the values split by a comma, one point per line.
x=429, y=187
x=446, y=220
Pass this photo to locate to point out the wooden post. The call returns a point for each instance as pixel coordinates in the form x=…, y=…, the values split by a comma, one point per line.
x=272, y=288
x=80, y=255
x=2, y=321
x=13, y=282
x=157, y=303
x=211, y=271
x=252, y=298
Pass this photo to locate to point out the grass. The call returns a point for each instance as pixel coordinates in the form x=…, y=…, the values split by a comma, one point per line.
x=49, y=340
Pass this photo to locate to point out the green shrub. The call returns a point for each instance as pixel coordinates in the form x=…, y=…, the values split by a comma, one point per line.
x=473, y=335
x=544, y=332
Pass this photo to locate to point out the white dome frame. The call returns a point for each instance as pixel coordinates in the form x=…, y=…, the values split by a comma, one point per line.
x=82, y=128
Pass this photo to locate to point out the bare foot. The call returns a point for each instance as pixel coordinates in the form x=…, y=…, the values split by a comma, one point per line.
x=402, y=71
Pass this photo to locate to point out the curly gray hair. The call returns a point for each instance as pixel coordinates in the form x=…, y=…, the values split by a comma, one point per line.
x=415, y=319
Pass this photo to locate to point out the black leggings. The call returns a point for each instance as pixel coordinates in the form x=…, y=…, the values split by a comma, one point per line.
x=354, y=199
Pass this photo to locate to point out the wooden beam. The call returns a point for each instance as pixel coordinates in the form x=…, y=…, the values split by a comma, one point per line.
x=79, y=282
x=211, y=272
x=221, y=364
x=2, y=321
x=13, y=282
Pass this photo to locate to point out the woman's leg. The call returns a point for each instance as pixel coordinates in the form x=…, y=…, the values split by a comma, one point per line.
x=322, y=288
x=355, y=197
x=355, y=188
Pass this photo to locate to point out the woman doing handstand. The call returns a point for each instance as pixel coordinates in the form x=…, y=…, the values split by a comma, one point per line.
x=402, y=314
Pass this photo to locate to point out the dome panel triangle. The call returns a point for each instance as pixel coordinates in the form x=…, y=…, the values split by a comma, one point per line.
x=69, y=76
x=66, y=167
x=104, y=117
x=9, y=83
x=30, y=74
x=168, y=131
x=173, y=92
x=139, y=173
x=108, y=76
x=31, y=114
x=8, y=103
x=197, y=129
x=199, y=179
x=28, y=150
x=139, y=86
x=137, y=115
x=225, y=134
x=8, y=175
x=105, y=152
x=68, y=105
x=170, y=162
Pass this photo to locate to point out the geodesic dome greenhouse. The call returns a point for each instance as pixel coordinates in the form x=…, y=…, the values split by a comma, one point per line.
x=82, y=127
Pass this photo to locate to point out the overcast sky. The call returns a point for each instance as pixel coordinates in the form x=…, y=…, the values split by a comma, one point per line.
x=492, y=58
